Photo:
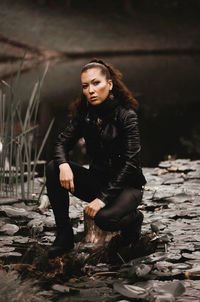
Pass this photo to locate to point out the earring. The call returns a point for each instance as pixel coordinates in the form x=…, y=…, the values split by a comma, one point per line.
x=111, y=95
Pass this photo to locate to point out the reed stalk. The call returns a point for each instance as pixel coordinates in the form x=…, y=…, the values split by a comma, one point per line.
x=19, y=152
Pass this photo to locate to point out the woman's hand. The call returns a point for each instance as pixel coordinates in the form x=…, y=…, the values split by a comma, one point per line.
x=66, y=177
x=93, y=207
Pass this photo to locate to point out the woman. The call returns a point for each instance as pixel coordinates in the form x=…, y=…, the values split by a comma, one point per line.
x=105, y=116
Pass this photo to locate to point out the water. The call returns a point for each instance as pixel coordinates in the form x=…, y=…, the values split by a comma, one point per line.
x=166, y=87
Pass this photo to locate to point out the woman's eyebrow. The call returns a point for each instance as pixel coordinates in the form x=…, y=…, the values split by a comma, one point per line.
x=90, y=81
x=95, y=79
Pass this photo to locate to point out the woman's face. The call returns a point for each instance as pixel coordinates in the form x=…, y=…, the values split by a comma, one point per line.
x=95, y=85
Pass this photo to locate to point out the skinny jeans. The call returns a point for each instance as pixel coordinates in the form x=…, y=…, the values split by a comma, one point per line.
x=116, y=215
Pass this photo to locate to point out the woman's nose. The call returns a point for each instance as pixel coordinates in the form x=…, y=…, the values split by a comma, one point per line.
x=91, y=89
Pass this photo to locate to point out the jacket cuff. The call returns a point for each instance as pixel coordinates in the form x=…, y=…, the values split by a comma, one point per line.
x=103, y=198
x=101, y=203
x=60, y=161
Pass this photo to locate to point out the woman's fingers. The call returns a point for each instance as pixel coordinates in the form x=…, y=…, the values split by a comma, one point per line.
x=71, y=184
x=68, y=184
x=87, y=210
x=91, y=211
x=66, y=177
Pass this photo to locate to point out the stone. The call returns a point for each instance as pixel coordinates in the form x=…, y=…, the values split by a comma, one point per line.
x=36, y=226
x=6, y=249
x=44, y=203
x=13, y=211
x=10, y=255
x=5, y=240
x=193, y=174
x=49, y=222
x=4, y=220
x=9, y=229
x=22, y=239
x=174, y=180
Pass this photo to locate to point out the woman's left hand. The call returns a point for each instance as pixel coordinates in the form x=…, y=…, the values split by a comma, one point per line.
x=93, y=207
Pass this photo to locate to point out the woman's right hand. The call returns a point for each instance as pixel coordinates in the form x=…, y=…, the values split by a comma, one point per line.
x=66, y=177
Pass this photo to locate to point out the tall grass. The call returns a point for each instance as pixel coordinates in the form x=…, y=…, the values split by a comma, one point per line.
x=19, y=154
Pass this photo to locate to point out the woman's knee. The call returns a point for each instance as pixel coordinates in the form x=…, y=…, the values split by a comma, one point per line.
x=105, y=222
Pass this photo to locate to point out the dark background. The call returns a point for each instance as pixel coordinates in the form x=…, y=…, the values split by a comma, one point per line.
x=155, y=44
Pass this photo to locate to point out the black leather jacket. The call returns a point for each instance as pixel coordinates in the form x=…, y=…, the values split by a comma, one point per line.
x=112, y=140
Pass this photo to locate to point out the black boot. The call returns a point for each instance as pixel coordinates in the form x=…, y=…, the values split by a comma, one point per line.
x=63, y=243
x=133, y=234
x=130, y=235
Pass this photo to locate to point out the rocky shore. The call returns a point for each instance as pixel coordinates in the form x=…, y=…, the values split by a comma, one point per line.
x=171, y=217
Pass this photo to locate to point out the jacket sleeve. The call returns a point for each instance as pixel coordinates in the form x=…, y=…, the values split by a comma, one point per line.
x=129, y=170
x=66, y=141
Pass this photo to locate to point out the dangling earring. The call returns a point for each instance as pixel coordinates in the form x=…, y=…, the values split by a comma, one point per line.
x=111, y=95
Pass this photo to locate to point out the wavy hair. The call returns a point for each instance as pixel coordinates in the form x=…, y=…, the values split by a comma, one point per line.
x=119, y=90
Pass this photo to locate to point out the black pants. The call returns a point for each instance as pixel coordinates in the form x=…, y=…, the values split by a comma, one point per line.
x=119, y=214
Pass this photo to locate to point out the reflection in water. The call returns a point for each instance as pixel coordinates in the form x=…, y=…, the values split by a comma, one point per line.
x=166, y=87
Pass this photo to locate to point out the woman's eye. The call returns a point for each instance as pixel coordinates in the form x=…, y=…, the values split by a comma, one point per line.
x=84, y=86
x=96, y=82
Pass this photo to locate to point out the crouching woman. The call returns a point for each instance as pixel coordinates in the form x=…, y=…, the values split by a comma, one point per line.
x=104, y=115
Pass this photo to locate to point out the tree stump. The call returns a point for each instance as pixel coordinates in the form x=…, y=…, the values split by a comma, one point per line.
x=93, y=234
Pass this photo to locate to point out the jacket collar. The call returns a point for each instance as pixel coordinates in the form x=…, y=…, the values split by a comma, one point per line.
x=105, y=109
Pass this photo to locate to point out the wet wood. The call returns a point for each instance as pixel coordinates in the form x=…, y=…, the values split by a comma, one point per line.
x=93, y=234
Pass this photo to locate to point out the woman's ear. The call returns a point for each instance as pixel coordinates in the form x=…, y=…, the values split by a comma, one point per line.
x=110, y=82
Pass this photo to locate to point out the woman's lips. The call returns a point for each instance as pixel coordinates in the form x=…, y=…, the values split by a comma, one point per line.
x=93, y=98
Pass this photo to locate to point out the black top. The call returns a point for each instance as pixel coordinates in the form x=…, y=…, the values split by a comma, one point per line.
x=113, y=143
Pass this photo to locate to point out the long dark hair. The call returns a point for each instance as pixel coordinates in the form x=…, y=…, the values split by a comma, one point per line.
x=119, y=90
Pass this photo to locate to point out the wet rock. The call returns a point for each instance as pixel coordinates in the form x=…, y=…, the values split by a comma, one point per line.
x=6, y=249
x=4, y=220
x=44, y=203
x=151, y=291
x=193, y=174
x=13, y=211
x=191, y=293
x=12, y=255
x=41, y=222
x=180, y=198
x=164, y=192
x=36, y=225
x=34, y=215
x=139, y=271
x=185, y=246
x=158, y=171
x=47, y=239
x=22, y=240
x=79, y=228
x=9, y=229
x=194, y=255
x=5, y=240
x=64, y=289
x=180, y=164
x=174, y=180
x=157, y=226
x=49, y=222
x=74, y=212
